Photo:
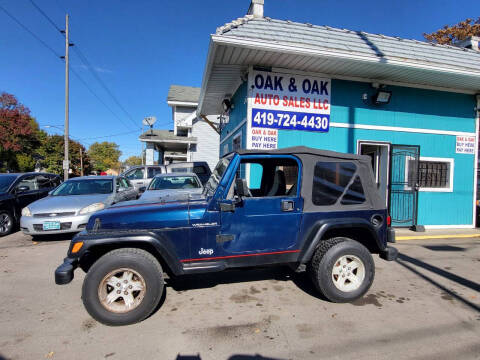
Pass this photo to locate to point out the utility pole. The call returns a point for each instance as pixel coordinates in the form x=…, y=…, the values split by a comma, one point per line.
x=66, y=163
x=81, y=161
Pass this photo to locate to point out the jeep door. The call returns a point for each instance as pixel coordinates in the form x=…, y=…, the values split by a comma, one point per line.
x=266, y=220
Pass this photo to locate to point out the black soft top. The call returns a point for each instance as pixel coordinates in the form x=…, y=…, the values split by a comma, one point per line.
x=309, y=158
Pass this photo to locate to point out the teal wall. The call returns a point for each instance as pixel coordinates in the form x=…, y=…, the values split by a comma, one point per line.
x=409, y=108
x=236, y=116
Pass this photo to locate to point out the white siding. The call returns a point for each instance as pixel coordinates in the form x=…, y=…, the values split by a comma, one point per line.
x=208, y=142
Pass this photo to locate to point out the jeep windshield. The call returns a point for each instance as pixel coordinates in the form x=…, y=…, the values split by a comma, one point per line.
x=174, y=182
x=217, y=174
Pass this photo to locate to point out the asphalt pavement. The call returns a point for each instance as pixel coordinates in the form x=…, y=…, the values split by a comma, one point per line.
x=426, y=305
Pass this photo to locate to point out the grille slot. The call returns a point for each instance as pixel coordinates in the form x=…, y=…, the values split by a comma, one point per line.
x=70, y=213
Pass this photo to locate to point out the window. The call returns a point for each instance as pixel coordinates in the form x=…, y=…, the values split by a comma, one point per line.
x=55, y=180
x=330, y=182
x=152, y=171
x=199, y=170
x=29, y=181
x=135, y=174
x=43, y=182
x=435, y=174
x=237, y=142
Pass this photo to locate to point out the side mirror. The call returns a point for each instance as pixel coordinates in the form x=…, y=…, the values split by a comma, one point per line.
x=22, y=189
x=242, y=188
x=142, y=189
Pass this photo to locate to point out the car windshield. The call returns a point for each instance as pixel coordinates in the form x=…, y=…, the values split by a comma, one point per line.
x=217, y=174
x=6, y=181
x=174, y=182
x=84, y=187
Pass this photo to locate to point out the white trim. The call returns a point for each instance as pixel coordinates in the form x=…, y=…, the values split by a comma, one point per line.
x=449, y=226
x=451, y=170
x=182, y=103
x=329, y=53
x=401, y=129
x=206, y=74
x=234, y=130
x=170, y=141
x=372, y=80
x=475, y=166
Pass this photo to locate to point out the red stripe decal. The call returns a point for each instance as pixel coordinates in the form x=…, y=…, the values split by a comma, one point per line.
x=245, y=255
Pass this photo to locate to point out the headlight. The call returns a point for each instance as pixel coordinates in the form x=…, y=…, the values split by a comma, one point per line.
x=92, y=208
x=26, y=212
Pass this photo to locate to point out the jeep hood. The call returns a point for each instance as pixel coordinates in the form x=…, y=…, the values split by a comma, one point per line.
x=134, y=215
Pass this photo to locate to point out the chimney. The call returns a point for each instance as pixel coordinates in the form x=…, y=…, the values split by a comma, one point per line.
x=471, y=42
x=256, y=8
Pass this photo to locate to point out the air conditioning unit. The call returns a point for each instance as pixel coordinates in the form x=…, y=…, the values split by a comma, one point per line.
x=472, y=42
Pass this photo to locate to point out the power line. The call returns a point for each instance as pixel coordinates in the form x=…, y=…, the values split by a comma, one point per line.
x=46, y=17
x=30, y=32
x=106, y=136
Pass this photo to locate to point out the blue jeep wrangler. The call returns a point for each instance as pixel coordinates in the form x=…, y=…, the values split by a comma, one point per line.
x=313, y=210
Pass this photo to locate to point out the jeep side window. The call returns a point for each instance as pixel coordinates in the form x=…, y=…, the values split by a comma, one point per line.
x=330, y=180
x=270, y=177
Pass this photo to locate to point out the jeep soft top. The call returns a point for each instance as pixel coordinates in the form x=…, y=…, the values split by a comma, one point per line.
x=311, y=209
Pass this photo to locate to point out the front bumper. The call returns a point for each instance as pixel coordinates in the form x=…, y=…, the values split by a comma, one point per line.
x=64, y=273
x=32, y=225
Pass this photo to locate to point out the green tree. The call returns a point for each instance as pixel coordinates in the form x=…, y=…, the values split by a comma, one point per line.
x=449, y=34
x=104, y=155
x=133, y=160
x=52, y=152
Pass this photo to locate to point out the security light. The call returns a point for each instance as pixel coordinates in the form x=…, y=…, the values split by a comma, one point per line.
x=382, y=97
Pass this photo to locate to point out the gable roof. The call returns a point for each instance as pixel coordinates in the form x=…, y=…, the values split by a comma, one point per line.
x=188, y=94
x=336, y=53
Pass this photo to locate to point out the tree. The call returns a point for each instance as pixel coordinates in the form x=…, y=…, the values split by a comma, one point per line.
x=104, y=155
x=451, y=34
x=53, y=153
x=133, y=160
x=20, y=136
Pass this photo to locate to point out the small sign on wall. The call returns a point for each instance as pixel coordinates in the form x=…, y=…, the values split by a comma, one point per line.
x=263, y=139
x=465, y=145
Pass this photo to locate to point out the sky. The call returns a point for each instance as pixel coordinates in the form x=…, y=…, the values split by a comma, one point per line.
x=139, y=48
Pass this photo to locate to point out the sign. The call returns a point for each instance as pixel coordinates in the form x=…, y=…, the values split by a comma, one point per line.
x=66, y=164
x=282, y=101
x=465, y=145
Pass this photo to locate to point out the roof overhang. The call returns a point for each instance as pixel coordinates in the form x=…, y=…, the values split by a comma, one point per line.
x=229, y=58
x=182, y=103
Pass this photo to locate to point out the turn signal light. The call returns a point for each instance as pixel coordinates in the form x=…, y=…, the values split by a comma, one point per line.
x=389, y=220
x=77, y=246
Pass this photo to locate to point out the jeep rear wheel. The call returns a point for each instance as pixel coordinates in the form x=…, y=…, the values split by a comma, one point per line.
x=342, y=269
x=123, y=287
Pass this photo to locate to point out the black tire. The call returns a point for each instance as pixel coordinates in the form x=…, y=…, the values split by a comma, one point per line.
x=7, y=223
x=326, y=257
x=141, y=262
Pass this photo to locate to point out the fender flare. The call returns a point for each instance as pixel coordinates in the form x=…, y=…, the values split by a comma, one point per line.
x=319, y=229
x=161, y=248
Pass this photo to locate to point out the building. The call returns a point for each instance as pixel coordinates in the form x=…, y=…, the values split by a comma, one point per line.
x=192, y=138
x=409, y=105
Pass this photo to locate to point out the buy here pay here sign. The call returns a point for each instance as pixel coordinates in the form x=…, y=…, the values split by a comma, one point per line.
x=280, y=101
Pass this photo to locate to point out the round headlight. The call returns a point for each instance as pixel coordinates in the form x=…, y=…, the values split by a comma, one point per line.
x=92, y=208
x=26, y=212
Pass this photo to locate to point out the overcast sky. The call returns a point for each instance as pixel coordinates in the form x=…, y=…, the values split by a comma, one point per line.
x=139, y=48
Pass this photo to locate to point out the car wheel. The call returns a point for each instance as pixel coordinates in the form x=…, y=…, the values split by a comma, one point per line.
x=342, y=269
x=6, y=223
x=123, y=287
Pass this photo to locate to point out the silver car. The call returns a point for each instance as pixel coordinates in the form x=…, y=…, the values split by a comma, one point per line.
x=170, y=187
x=68, y=207
x=141, y=175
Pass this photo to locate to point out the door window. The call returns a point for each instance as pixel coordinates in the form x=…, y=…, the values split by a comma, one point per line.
x=135, y=174
x=29, y=181
x=43, y=182
x=152, y=171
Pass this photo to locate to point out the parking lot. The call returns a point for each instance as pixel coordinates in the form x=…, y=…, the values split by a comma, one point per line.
x=424, y=306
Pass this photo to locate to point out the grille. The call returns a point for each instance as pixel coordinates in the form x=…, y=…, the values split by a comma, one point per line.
x=63, y=226
x=54, y=214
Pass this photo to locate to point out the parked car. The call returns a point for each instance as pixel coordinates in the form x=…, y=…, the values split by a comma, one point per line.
x=200, y=168
x=68, y=207
x=171, y=187
x=19, y=190
x=141, y=175
x=316, y=211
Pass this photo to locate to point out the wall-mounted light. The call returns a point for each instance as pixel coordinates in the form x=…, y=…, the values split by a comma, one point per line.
x=227, y=105
x=382, y=97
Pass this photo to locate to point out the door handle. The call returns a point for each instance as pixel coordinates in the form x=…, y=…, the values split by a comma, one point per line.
x=288, y=205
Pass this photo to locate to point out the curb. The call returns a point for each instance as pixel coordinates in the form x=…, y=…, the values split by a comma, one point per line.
x=425, y=237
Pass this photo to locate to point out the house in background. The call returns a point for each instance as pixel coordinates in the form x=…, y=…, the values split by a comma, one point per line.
x=192, y=138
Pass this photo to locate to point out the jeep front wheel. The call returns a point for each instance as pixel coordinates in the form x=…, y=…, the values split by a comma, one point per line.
x=123, y=287
x=342, y=269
